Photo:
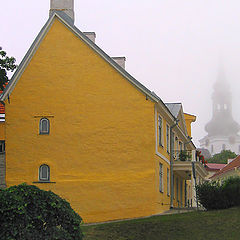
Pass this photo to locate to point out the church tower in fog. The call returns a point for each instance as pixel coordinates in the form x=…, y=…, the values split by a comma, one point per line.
x=222, y=129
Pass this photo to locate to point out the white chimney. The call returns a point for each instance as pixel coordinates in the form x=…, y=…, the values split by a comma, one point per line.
x=90, y=35
x=120, y=61
x=66, y=6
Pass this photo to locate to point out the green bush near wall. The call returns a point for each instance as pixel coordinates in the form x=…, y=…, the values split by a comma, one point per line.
x=214, y=195
x=26, y=212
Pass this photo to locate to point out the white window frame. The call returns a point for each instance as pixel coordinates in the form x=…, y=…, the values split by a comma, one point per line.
x=168, y=138
x=41, y=130
x=42, y=179
x=160, y=131
x=161, y=177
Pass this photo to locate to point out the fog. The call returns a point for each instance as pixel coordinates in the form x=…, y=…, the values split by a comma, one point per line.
x=173, y=47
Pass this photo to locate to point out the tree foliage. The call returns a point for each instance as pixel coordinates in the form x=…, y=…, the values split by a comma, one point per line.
x=222, y=157
x=6, y=64
x=215, y=195
x=26, y=212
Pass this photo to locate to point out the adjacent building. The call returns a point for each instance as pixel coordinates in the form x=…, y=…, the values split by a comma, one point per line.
x=231, y=169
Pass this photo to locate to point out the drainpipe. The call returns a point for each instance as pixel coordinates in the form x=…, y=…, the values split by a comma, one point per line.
x=171, y=161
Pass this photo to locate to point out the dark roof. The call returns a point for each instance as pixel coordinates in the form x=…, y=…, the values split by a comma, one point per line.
x=174, y=108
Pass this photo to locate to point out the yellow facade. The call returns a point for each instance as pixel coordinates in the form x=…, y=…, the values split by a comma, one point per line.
x=2, y=131
x=189, y=119
x=102, y=148
x=101, y=143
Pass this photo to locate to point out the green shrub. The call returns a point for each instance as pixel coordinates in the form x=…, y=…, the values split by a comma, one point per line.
x=231, y=189
x=210, y=195
x=28, y=213
x=213, y=195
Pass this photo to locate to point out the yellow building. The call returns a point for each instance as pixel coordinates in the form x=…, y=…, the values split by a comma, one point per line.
x=90, y=132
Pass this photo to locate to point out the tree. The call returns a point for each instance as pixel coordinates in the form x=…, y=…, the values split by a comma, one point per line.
x=6, y=64
x=26, y=212
x=222, y=157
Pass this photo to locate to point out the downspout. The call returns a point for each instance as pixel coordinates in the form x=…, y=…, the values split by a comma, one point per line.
x=171, y=160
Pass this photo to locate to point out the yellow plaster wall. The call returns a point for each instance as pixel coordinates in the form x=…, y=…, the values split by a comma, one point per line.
x=101, y=146
x=188, y=120
x=163, y=199
x=2, y=130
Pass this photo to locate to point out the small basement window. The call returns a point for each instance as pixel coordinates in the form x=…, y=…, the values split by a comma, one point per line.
x=44, y=173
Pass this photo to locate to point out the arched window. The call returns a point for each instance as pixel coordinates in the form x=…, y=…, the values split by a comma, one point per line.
x=44, y=126
x=44, y=173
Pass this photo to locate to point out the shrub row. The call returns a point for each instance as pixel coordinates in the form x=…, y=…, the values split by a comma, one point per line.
x=215, y=195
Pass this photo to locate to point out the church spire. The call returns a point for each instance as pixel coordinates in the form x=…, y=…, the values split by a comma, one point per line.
x=222, y=123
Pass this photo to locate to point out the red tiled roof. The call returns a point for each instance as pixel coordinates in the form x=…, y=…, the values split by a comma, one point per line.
x=215, y=166
x=232, y=165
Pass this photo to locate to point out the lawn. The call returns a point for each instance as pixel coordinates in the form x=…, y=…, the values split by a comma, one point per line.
x=212, y=225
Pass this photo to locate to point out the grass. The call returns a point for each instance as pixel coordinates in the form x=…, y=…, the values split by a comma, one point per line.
x=212, y=225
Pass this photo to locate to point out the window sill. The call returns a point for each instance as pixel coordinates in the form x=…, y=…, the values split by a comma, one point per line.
x=43, y=182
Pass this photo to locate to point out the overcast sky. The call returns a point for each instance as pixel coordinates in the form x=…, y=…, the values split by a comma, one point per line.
x=173, y=47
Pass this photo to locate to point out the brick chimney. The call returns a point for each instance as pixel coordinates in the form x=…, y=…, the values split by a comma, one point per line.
x=66, y=6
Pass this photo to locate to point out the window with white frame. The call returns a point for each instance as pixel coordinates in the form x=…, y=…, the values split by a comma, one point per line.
x=168, y=182
x=173, y=146
x=160, y=177
x=44, y=126
x=44, y=173
x=160, y=142
x=167, y=137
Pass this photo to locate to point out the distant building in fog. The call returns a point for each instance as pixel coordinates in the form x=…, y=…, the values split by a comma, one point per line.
x=222, y=129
